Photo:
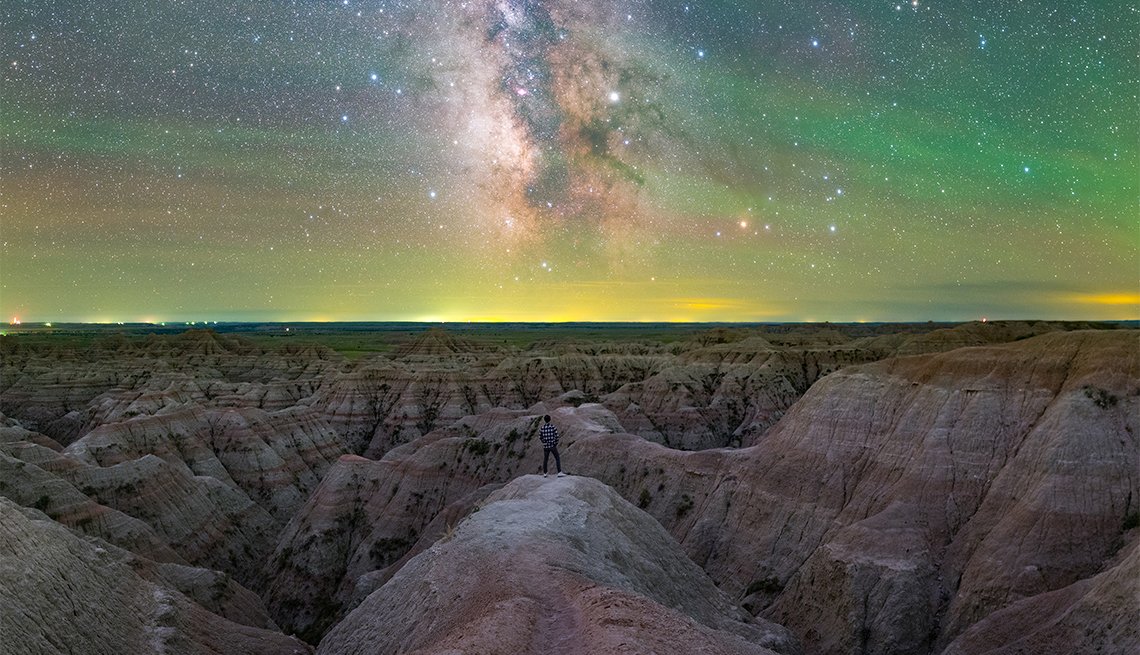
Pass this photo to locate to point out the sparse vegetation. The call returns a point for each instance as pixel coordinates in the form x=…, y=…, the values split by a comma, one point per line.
x=478, y=447
x=1131, y=520
x=380, y=406
x=1100, y=397
x=220, y=586
x=684, y=506
x=387, y=550
x=768, y=585
x=644, y=499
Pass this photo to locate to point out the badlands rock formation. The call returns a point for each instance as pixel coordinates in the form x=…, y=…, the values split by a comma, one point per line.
x=560, y=565
x=1082, y=617
x=208, y=487
x=965, y=489
x=62, y=593
x=896, y=505
x=901, y=502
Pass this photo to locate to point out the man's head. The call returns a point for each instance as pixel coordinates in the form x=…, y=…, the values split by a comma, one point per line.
x=546, y=419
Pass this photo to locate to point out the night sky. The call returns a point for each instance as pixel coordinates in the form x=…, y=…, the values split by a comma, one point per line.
x=554, y=160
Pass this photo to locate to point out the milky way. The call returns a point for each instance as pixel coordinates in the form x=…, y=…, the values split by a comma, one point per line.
x=557, y=160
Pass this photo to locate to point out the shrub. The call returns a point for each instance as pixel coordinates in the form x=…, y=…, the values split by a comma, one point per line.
x=1131, y=521
x=644, y=499
x=386, y=550
x=684, y=506
x=768, y=585
x=1100, y=397
x=477, y=446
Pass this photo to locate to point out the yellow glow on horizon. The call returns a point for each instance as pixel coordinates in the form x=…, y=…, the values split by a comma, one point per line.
x=1115, y=299
x=704, y=306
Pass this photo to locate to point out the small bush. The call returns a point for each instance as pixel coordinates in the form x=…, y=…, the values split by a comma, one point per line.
x=220, y=587
x=644, y=499
x=477, y=446
x=42, y=503
x=768, y=585
x=1131, y=521
x=1101, y=397
x=684, y=506
x=387, y=550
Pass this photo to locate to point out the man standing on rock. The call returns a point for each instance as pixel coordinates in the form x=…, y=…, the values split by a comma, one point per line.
x=549, y=436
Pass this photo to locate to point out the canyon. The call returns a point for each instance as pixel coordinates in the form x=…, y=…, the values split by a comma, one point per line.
x=846, y=488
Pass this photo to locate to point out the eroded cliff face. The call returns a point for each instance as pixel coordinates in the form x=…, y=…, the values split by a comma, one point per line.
x=208, y=487
x=721, y=387
x=64, y=389
x=879, y=504
x=898, y=503
x=63, y=593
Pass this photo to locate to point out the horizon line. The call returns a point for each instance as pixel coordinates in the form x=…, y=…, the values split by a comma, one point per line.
x=178, y=323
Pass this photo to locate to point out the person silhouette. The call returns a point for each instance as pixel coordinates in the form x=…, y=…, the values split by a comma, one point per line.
x=549, y=436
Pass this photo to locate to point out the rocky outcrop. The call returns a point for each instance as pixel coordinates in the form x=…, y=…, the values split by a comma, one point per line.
x=211, y=488
x=60, y=593
x=553, y=565
x=877, y=515
x=913, y=504
x=726, y=394
x=1096, y=614
x=900, y=502
x=64, y=388
x=275, y=459
x=366, y=515
x=689, y=389
x=1003, y=473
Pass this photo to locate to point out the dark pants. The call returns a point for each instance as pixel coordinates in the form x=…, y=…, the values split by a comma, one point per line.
x=546, y=458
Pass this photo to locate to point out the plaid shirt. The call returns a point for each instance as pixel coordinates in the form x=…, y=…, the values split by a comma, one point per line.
x=549, y=435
